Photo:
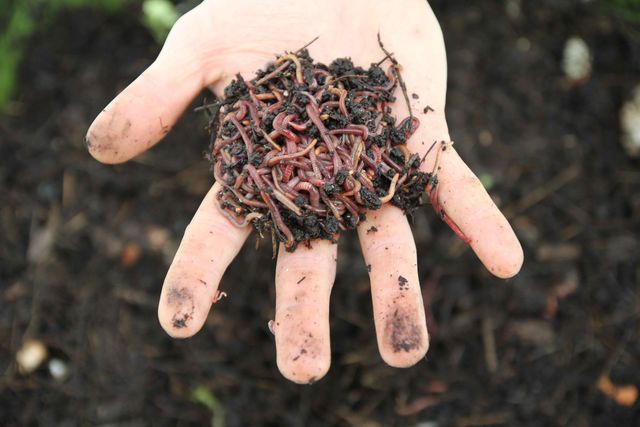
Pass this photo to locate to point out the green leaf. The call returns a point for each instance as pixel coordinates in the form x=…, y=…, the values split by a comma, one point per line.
x=627, y=9
x=203, y=396
x=159, y=16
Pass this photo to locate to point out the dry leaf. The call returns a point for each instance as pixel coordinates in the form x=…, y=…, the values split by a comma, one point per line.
x=624, y=395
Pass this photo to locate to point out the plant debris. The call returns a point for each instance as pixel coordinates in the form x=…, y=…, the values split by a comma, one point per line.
x=303, y=149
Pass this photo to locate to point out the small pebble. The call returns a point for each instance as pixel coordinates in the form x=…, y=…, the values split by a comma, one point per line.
x=58, y=369
x=630, y=124
x=31, y=355
x=576, y=60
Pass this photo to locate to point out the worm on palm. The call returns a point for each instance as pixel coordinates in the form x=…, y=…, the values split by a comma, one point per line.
x=305, y=149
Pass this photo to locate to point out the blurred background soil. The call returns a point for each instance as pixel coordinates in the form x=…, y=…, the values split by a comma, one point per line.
x=84, y=248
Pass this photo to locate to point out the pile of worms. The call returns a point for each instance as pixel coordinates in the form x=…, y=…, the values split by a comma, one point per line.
x=304, y=149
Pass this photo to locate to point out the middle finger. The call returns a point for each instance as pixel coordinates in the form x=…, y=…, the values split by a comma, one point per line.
x=304, y=279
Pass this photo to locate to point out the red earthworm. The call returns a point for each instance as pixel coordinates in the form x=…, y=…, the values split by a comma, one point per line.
x=231, y=217
x=364, y=131
x=391, y=76
x=318, y=211
x=356, y=151
x=279, y=128
x=392, y=189
x=217, y=173
x=277, y=120
x=312, y=111
x=405, y=152
x=314, y=195
x=326, y=167
x=377, y=156
x=354, y=187
x=377, y=127
x=273, y=107
x=342, y=93
x=240, y=113
x=365, y=93
x=345, y=131
x=309, y=95
x=247, y=187
x=286, y=174
x=269, y=140
x=265, y=96
x=350, y=206
x=358, y=197
x=286, y=202
x=435, y=203
x=283, y=157
x=300, y=164
x=286, y=190
x=390, y=162
x=253, y=112
x=330, y=204
x=412, y=127
x=275, y=213
x=244, y=135
x=277, y=93
x=291, y=57
x=226, y=157
x=372, y=163
x=239, y=181
x=314, y=163
x=272, y=74
x=344, y=156
x=300, y=127
x=253, y=173
x=315, y=181
x=301, y=175
x=293, y=181
x=288, y=169
x=219, y=143
x=288, y=119
x=247, y=201
x=364, y=180
x=328, y=104
x=252, y=94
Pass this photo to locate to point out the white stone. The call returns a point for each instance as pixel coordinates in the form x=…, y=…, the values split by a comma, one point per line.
x=31, y=355
x=576, y=60
x=630, y=123
x=58, y=369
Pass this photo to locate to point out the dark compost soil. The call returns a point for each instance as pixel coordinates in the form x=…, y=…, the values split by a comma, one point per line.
x=84, y=248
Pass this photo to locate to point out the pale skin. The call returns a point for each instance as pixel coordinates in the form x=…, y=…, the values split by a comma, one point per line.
x=205, y=49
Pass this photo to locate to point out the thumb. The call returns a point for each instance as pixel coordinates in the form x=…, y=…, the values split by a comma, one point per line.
x=143, y=113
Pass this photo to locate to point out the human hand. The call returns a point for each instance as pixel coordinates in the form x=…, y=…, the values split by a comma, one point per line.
x=218, y=39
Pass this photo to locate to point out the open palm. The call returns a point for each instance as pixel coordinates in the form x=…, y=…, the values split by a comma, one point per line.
x=218, y=39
